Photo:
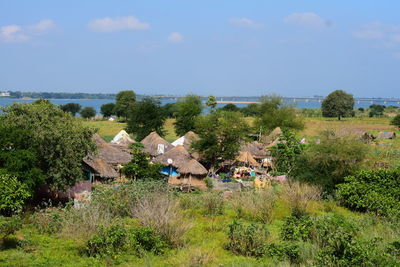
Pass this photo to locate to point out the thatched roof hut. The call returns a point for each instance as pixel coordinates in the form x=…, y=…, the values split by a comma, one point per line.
x=155, y=145
x=193, y=167
x=254, y=148
x=178, y=156
x=247, y=158
x=100, y=168
x=387, y=135
x=109, y=154
x=275, y=134
x=122, y=139
x=186, y=140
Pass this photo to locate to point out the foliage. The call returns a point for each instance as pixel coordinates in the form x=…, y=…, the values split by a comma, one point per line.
x=88, y=112
x=376, y=110
x=213, y=204
x=124, y=101
x=373, y=191
x=251, y=110
x=299, y=195
x=220, y=135
x=338, y=104
x=59, y=141
x=297, y=228
x=170, y=110
x=145, y=117
x=140, y=167
x=48, y=221
x=396, y=121
x=188, y=109
x=107, y=109
x=247, y=240
x=274, y=113
x=9, y=225
x=283, y=251
x=394, y=249
x=72, y=108
x=148, y=240
x=230, y=107
x=286, y=152
x=310, y=112
x=211, y=102
x=108, y=242
x=209, y=182
x=326, y=164
x=13, y=194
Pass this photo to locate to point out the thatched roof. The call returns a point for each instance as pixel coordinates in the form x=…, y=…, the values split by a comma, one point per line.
x=179, y=156
x=387, y=135
x=110, y=154
x=186, y=140
x=274, y=143
x=254, y=148
x=153, y=142
x=193, y=167
x=247, y=158
x=122, y=139
x=276, y=133
x=103, y=169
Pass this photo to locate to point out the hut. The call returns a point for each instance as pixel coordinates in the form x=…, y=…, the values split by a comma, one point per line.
x=192, y=173
x=186, y=140
x=174, y=159
x=122, y=139
x=97, y=169
x=109, y=154
x=155, y=145
x=247, y=159
x=275, y=134
x=254, y=148
x=387, y=135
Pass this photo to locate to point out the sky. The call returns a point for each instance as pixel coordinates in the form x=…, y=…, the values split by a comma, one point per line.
x=225, y=47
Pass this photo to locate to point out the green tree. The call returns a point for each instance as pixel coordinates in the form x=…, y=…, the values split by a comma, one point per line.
x=211, y=102
x=251, y=110
x=145, y=117
x=189, y=108
x=124, y=101
x=88, y=112
x=338, y=104
x=230, y=107
x=170, y=109
x=140, y=167
x=72, y=108
x=274, y=113
x=327, y=163
x=107, y=109
x=396, y=121
x=376, y=110
x=221, y=134
x=58, y=140
x=13, y=194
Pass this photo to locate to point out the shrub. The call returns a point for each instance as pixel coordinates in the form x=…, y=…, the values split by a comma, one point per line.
x=209, y=182
x=396, y=121
x=147, y=239
x=255, y=205
x=161, y=212
x=8, y=226
x=48, y=221
x=394, y=249
x=213, y=204
x=373, y=191
x=299, y=195
x=13, y=194
x=297, y=228
x=107, y=242
x=248, y=240
x=283, y=251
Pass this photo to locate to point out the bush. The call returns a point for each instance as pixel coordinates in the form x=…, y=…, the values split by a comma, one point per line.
x=8, y=226
x=148, y=240
x=396, y=121
x=248, y=240
x=108, y=242
x=394, y=249
x=13, y=194
x=297, y=228
x=299, y=195
x=213, y=204
x=255, y=205
x=373, y=191
x=161, y=212
x=48, y=221
x=283, y=251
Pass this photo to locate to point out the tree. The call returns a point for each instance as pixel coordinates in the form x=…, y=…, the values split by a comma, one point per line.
x=396, y=121
x=230, y=107
x=72, y=108
x=57, y=140
x=251, y=110
x=145, y=117
x=376, y=110
x=140, y=167
x=88, y=112
x=211, y=102
x=170, y=109
x=107, y=109
x=338, y=104
x=221, y=134
x=273, y=113
x=13, y=194
x=124, y=101
x=188, y=109
x=326, y=164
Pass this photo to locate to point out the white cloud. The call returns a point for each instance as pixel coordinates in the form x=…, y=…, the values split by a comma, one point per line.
x=117, y=24
x=377, y=31
x=42, y=26
x=175, y=37
x=307, y=20
x=245, y=23
x=20, y=34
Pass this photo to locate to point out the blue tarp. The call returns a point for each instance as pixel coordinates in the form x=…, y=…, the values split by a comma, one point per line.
x=170, y=171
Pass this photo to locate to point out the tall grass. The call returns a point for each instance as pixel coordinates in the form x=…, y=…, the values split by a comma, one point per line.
x=300, y=195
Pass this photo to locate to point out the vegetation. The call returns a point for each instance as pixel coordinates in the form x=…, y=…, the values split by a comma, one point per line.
x=13, y=194
x=108, y=109
x=338, y=104
x=188, y=109
x=211, y=102
x=88, y=112
x=145, y=117
x=396, y=121
x=72, y=108
x=124, y=102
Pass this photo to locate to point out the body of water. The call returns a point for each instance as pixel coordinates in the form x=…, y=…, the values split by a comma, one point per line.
x=298, y=103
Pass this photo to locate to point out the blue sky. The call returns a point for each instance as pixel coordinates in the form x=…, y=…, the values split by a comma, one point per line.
x=245, y=48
